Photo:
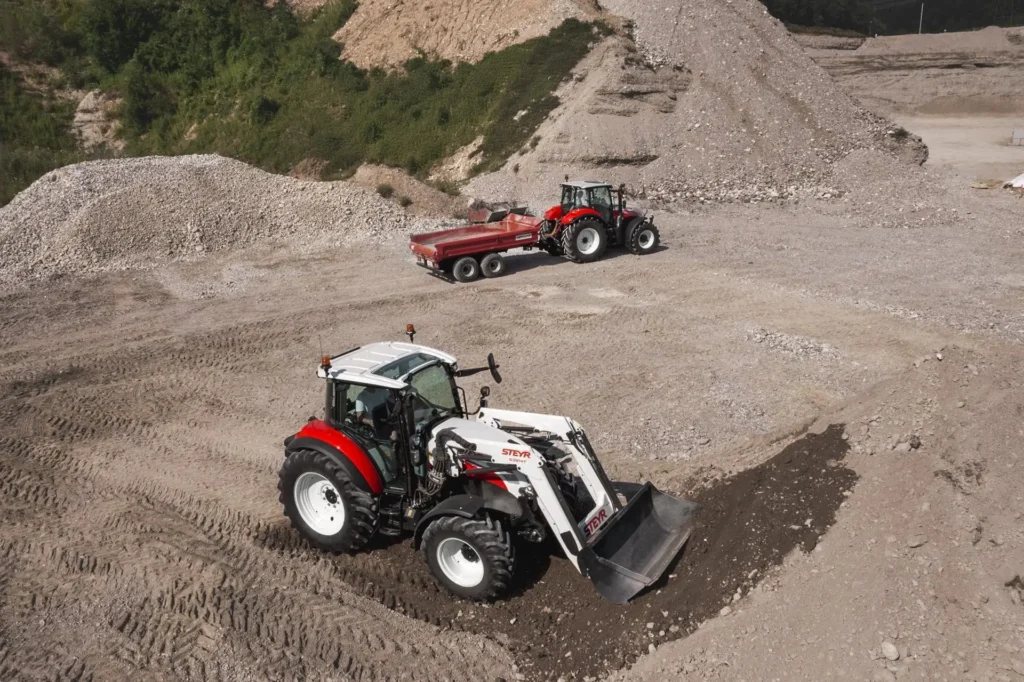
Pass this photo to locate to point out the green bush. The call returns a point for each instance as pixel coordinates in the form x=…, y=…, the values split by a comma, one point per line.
x=385, y=190
x=404, y=201
x=35, y=136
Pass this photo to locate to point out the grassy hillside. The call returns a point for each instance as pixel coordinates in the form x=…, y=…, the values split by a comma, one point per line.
x=263, y=85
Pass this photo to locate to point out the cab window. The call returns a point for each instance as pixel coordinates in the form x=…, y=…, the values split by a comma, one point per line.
x=435, y=389
x=601, y=196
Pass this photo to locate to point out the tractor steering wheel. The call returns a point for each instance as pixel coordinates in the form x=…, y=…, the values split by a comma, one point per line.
x=493, y=366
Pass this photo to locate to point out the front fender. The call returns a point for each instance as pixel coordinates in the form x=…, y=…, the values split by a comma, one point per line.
x=468, y=506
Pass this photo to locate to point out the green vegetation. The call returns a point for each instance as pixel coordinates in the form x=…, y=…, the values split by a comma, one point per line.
x=404, y=201
x=35, y=135
x=265, y=86
x=385, y=190
x=887, y=17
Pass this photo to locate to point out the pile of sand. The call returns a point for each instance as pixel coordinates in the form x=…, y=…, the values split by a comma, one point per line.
x=714, y=101
x=385, y=33
x=991, y=39
x=106, y=215
x=426, y=200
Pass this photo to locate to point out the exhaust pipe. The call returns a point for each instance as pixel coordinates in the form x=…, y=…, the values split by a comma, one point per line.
x=636, y=547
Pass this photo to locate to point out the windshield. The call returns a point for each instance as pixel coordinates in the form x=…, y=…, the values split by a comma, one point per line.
x=434, y=388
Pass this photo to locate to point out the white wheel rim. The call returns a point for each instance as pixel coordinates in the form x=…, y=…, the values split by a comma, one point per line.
x=588, y=241
x=467, y=269
x=319, y=504
x=459, y=562
x=494, y=266
x=646, y=239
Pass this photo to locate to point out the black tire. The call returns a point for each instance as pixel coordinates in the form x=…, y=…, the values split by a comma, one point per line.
x=493, y=265
x=360, y=507
x=642, y=238
x=466, y=269
x=575, y=244
x=491, y=545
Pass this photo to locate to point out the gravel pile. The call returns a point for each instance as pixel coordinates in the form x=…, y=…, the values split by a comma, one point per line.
x=106, y=215
x=991, y=39
x=712, y=101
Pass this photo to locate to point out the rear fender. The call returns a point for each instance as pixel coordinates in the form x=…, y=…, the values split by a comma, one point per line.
x=341, y=449
x=468, y=506
x=578, y=213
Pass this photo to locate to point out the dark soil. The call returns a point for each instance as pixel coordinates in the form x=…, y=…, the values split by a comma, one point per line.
x=557, y=624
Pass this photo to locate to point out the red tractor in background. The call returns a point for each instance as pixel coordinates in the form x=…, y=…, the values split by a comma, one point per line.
x=588, y=220
x=591, y=217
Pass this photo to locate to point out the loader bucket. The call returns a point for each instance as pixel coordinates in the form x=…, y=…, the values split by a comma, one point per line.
x=633, y=550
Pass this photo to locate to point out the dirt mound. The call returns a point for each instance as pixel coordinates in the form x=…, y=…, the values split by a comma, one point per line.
x=385, y=33
x=715, y=102
x=136, y=212
x=991, y=39
x=425, y=199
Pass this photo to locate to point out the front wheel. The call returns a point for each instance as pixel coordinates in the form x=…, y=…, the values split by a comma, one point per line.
x=643, y=238
x=324, y=504
x=471, y=558
x=584, y=241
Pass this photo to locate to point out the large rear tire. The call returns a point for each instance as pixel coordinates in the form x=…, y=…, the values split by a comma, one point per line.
x=471, y=558
x=324, y=504
x=584, y=241
x=643, y=238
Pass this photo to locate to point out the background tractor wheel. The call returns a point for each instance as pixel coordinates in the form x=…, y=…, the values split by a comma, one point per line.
x=493, y=265
x=466, y=269
x=471, y=558
x=584, y=241
x=642, y=238
x=324, y=504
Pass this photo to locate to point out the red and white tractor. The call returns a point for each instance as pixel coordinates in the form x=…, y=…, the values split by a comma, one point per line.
x=398, y=452
x=588, y=221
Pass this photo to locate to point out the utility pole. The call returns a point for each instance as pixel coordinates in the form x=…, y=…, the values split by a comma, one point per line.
x=920, y=25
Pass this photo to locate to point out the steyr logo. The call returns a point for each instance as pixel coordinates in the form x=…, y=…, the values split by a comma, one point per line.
x=509, y=452
x=595, y=523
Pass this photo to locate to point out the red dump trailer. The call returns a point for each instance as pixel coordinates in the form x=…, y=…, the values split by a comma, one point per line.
x=464, y=253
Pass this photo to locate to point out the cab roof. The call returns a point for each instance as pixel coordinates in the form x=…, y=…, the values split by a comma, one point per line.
x=585, y=184
x=384, y=364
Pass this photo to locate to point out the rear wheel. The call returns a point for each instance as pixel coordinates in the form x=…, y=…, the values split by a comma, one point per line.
x=471, y=558
x=584, y=241
x=643, y=238
x=466, y=269
x=493, y=265
x=324, y=504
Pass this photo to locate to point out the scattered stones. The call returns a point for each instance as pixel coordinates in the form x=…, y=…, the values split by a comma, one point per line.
x=917, y=541
x=726, y=610
x=890, y=651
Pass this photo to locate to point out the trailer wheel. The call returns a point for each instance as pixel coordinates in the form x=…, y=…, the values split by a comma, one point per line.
x=466, y=269
x=471, y=558
x=642, y=238
x=493, y=265
x=584, y=241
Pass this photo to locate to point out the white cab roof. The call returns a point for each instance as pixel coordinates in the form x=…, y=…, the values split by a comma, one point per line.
x=361, y=366
x=585, y=184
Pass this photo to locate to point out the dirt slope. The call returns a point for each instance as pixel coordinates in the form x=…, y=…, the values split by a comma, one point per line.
x=385, y=33
x=719, y=102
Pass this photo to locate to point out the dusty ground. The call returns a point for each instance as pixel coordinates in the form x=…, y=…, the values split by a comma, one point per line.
x=840, y=390
x=143, y=415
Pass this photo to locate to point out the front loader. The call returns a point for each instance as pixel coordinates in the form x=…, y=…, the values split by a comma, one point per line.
x=398, y=452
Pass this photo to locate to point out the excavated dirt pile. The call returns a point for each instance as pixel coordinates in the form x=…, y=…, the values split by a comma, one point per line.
x=106, y=215
x=557, y=625
x=714, y=101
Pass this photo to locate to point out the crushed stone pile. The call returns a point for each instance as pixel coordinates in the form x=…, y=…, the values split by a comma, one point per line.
x=108, y=215
x=713, y=101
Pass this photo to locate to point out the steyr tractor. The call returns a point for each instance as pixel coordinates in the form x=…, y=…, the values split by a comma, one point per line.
x=588, y=221
x=399, y=453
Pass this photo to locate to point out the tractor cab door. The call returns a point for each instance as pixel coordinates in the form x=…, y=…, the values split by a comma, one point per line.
x=601, y=201
x=570, y=200
x=367, y=413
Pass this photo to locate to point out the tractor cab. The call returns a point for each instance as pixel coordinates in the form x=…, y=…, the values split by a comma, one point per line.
x=594, y=195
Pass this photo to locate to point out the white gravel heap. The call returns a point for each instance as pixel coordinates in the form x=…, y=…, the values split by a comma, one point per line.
x=106, y=215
